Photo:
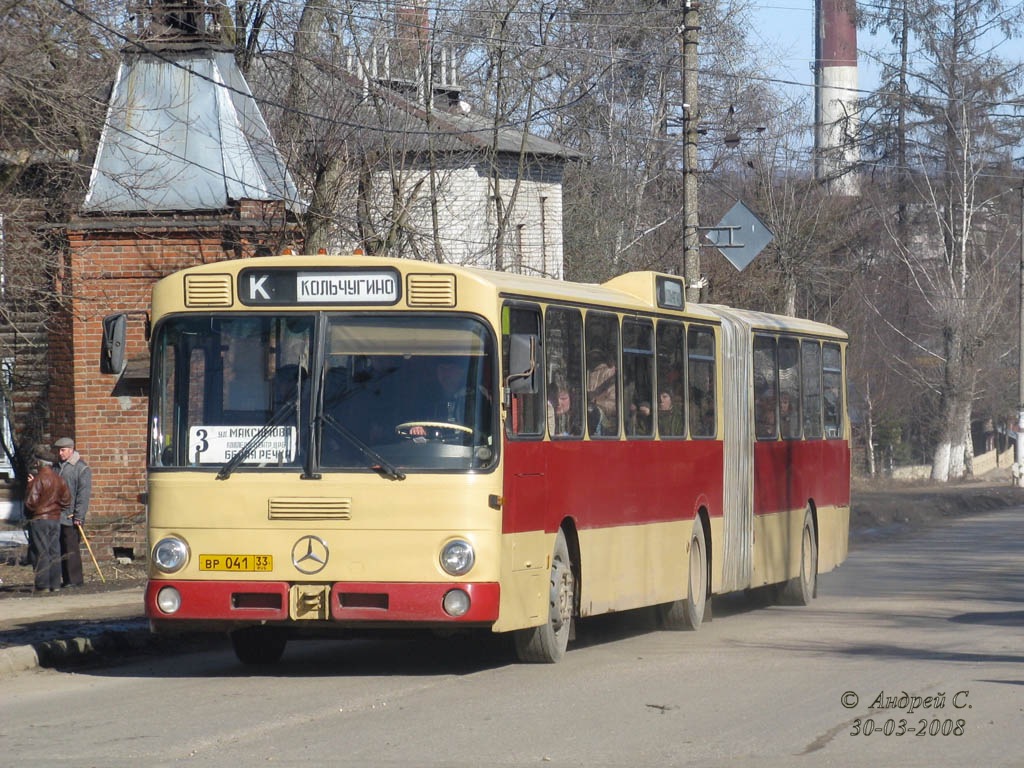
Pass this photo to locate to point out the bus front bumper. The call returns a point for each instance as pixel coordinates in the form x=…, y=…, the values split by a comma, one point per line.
x=352, y=604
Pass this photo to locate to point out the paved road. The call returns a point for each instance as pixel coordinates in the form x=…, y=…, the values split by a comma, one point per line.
x=931, y=626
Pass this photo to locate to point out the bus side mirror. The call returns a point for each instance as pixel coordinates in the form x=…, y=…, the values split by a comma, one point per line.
x=522, y=364
x=112, y=350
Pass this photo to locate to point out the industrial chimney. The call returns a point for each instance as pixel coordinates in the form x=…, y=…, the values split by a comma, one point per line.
x=836, y=111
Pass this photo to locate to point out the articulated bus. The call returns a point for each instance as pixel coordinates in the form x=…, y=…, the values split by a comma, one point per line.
x=341, y=443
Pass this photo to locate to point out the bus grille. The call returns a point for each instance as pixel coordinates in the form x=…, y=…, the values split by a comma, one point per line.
x=208, y=291
x=299, y=508
x=431, y=291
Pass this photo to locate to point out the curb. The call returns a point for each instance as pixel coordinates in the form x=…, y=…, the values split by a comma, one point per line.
x=82, y=648
x=18, y=658
x=71, y=650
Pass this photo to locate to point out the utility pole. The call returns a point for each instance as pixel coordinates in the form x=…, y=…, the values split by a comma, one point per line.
x=691, y=242
x=1018, y=474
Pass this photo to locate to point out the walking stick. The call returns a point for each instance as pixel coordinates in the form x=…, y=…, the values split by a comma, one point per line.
x=81, y=530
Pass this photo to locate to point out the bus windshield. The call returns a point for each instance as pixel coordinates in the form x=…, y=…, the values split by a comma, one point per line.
x=386, y=393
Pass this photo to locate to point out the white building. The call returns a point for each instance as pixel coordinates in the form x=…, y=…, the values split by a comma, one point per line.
x=455, y=188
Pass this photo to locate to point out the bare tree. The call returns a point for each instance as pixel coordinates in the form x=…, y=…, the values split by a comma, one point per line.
x=951, y=133
x=56, y=63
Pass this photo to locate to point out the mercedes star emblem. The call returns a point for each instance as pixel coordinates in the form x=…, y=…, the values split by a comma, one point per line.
x=309, y=555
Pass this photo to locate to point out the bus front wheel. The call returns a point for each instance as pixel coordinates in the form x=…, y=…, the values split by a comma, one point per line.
x=688, y=613
x=546, y=644
x=259, y=645
x=800, y=590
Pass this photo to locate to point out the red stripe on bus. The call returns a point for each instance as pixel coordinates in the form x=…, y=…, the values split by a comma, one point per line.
x=789, y=473
x=601, y=484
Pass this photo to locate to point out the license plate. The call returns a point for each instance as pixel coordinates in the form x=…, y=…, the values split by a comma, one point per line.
x=251, y=563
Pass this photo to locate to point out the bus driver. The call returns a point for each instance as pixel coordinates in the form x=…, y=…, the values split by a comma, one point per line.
x=455, y=402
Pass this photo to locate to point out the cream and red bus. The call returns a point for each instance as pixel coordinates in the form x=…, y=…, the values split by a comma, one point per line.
x=341, y=442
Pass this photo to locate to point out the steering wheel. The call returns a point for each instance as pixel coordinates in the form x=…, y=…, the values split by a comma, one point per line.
x=435, y=430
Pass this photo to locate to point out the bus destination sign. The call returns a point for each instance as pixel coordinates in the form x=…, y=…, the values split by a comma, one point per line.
x=284, y=286
x=217, y=444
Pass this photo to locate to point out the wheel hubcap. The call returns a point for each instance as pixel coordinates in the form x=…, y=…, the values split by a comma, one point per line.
x=561, y=595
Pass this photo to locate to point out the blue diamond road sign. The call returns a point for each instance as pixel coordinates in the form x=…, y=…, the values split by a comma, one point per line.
x=740, y=236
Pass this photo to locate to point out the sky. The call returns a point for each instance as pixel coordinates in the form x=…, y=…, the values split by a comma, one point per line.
x=784, y=32
x=786, y=28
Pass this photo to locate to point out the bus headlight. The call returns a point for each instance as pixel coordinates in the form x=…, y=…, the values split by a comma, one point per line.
x=457, y=557
x=456, y=603
x=170, y=554
x=168, y=600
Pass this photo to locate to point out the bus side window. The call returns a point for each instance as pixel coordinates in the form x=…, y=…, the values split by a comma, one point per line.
x=671, y=379
x=563, y=330
x=832, y=381
x=810, y=364
x=789, y=388
x=602, y=343
x=638, y=377
x=521, y=329
x=765, y=390
x=700, y=347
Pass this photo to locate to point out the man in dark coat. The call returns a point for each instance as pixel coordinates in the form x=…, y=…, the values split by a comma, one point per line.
x=78, y=475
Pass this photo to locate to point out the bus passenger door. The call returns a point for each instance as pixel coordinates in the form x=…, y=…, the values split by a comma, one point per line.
x=525, y=482
x=526, y=544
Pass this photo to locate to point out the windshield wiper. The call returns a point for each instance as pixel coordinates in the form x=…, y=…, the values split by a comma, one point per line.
x=382, y=465
x=276, y=420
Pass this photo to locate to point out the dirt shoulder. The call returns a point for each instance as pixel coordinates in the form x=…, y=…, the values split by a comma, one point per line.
x=887, y=507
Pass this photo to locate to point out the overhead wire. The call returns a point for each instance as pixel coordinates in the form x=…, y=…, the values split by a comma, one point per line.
x=620, y=56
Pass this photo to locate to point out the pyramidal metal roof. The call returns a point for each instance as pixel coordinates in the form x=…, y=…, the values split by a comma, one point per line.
x=184, y=133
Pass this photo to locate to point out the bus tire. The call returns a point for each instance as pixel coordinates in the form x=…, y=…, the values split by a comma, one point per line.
x=259, y=646
x=546, y=644
x=801, y=589
x=688, y=613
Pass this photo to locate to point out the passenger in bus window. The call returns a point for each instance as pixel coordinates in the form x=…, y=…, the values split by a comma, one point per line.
x=764, y=414
x=561, y=416
x=831, y=403
x=640, y=419
x=789, y=418
x=602, y=396
x=670, y=415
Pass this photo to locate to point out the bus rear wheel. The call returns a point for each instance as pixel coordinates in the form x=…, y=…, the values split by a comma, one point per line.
x=546, y=644
x=688, y=613
x=800, y=590
x=259, y=645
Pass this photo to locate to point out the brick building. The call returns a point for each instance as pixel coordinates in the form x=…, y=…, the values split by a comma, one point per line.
x=169, y=189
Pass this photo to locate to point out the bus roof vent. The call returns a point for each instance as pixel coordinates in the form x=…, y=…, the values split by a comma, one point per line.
x=306, y=508
x=430, y=290
x=208, y=291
